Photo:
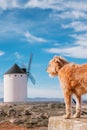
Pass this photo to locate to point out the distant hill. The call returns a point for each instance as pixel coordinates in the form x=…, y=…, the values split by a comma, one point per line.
x=40, y=99
x=43, y=99
x=46, y=99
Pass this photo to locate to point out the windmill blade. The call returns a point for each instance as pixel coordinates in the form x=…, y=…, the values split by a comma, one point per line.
x=28, y=71
x=29, y=64
x=31, y=78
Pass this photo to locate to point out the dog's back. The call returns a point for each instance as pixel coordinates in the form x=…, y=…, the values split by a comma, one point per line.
x=74, y=77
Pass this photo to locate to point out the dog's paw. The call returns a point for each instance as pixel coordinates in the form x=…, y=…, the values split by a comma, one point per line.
x=76, y=115
x=67, y=116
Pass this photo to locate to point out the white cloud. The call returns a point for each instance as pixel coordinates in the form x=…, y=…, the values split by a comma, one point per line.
x=5, y=4
x=75, y=14
x=77, y=5
x=31, y=38
x=58, y=5
x=45, y=4
x=77, y=26
x=18, y=56
x=12, y=29
x=75, y=51
x=81, y=39
x=2, y=53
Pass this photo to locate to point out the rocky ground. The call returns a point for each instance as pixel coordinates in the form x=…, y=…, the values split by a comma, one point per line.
x=29, y=116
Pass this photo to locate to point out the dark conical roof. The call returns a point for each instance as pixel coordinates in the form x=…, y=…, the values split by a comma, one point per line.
x=14, y=69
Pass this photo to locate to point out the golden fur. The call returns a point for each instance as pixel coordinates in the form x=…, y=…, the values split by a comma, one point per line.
x=73, y=80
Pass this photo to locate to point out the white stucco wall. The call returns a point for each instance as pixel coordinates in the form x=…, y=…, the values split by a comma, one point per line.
x=15, y=87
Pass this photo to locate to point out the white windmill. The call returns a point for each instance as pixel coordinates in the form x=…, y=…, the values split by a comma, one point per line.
x=15, y=83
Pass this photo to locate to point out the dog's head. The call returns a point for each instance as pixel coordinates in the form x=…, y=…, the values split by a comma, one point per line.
x=55, y=65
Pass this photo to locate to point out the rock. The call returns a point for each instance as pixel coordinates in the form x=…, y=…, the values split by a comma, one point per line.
x=27, y=112
x=12, y=112
x=17, y=121
x=59, y=105
x=34, y=121
x=12, y=120
x=44, y=115
x=42, y=123
x=51, y=105
x=2, y=113
x=58, y=123
x=31, y=123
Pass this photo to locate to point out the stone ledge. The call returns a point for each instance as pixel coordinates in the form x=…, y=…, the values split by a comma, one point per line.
x=58, y=123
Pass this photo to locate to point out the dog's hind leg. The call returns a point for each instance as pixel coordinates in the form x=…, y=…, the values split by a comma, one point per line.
x=78, y=107
x=67, y=97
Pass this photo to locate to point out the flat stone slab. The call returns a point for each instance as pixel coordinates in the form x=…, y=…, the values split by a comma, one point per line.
x=58, y=123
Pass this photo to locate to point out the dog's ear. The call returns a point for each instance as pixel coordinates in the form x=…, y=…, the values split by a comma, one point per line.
x=63, y=60
x=60, y=60
x=58, y=63
x=56, y=59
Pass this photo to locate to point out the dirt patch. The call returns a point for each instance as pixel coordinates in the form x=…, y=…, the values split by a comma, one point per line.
x=10, y=126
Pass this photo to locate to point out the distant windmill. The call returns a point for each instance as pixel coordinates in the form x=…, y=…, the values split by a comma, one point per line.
x=15, y=83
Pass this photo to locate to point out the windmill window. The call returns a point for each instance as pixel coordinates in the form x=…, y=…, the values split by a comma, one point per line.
x=15, y=75
x=21, y=75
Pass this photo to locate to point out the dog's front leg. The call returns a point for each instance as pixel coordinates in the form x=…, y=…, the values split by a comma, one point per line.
x=67, y=96
x=78, y=107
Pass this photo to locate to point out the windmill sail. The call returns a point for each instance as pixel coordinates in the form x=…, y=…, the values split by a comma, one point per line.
x=29, y=75
x=31, y=78
x=29, y=64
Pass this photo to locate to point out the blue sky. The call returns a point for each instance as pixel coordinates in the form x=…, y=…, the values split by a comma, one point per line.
x=45, y=28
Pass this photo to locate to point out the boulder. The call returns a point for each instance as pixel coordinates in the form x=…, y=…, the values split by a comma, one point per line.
x=58, y=123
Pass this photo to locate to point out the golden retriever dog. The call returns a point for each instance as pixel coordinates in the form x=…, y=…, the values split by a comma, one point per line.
x=73, y=80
